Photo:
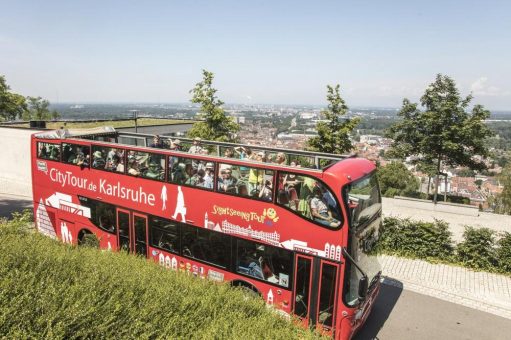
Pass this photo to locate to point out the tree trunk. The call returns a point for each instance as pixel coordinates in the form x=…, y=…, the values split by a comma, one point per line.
x=445, y=191
x=429, y=186
x=437, y=178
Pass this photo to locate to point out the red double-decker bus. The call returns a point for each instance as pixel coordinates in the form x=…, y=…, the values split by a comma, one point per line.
x=297, y=230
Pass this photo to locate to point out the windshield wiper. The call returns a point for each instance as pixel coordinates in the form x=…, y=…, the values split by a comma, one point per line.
x=345, y=252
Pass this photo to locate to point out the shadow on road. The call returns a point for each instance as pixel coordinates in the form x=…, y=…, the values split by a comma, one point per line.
x=387, y=299
x=8, y=205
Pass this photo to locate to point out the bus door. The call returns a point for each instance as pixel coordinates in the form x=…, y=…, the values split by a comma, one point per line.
x=303, y=287
x=315, y=292
x=132, y=229
x=327, y=296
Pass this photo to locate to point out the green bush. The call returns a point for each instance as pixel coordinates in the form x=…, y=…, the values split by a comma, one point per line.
x=415, y=238
x=503, y=253
x=478, y=248
x=49, y=290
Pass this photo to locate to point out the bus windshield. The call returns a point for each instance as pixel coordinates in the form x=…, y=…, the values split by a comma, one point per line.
x=364, y=202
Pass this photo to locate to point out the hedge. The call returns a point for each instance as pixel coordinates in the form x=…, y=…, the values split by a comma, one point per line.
x=481, y=248
x=52, y=290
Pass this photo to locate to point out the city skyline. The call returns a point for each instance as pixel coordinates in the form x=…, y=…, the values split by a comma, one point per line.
x=279, y=52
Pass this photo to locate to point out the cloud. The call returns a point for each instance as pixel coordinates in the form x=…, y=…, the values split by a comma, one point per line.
x=480, y=87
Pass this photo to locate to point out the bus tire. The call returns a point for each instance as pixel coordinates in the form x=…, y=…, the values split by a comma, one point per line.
x=87, y=238
x=246, y=287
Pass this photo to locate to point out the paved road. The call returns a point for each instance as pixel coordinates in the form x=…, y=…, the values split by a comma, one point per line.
x=401, y=314
x=12, y=203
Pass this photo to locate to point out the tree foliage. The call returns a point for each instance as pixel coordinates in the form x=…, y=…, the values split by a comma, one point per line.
x=39, y=109
x=333, y=134
x=216, y=125
x=396, y=179
x=12, y=105
x=502, y=202
x=443, y=131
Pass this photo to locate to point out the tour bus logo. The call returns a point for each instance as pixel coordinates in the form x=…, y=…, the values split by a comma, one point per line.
x=42, y=166
x=268, y=216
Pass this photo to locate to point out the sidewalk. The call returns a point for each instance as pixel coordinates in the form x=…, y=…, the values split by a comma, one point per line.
x=483, y=291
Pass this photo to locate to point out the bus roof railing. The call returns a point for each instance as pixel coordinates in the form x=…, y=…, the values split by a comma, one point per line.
x=307, y=159
x=319, y=160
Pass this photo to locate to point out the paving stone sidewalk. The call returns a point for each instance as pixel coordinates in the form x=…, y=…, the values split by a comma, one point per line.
x=479, y=290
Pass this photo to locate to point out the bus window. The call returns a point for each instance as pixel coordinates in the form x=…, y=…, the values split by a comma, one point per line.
x=327, y=295
x=164, y=234
x=76, y=154
x=48, y=151
x=147, y=165
x=192, y=172
x=246, y=181
x=102, y=214
x=206, y=245
x=106, y=158
x=264, y=262
x=309, y=198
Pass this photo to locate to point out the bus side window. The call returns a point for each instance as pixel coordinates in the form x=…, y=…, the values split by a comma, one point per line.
x=164, y=234
x=206, y=245
x=76, y=154
x=264, y=262
x=308, y=197
x=103, y=215
x=48, y=151
x=192, y=172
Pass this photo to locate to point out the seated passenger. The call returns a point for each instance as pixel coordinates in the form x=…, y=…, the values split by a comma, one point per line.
x=209, y=176
x=226, y=182
x=98, y=161
x=154, y=171
x=266, y=193
x=196, y=147
x=197, y=179
x=156, y=142
x=179, y=175
x=320, y=212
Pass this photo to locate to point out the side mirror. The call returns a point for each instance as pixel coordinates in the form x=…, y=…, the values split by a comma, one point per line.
x=362, y=287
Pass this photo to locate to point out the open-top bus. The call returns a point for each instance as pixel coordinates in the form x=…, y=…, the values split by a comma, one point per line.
x=299, y=236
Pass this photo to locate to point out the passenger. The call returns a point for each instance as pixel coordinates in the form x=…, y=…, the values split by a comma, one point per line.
x=54, y=152
x=196, y=148
x=180, y=175
x=241, y=152
x=43, y=152
x=255, y=177
x=228, y=153
x=157, y=142
x=98, y=162
x=320, y=212
x=242, y=190
x=269, y=159
x=226, y=182
x=209, y=176
x=197, y=179
x=154, y=171
x=266, y=193
x=176, y=145
x=281, y=158
x=134, y=168
x=117, y=164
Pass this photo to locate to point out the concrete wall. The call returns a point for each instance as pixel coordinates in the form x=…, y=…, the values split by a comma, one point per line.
x=15, y=170
x=457, y=215
x=160, y=129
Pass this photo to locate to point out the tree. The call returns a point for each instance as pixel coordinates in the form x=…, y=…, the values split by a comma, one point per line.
x=38, y=109
x=216, y=125
x=12, y=105
x=502, y=202
x=396, y=179
x=333, y=134
x=444, y=132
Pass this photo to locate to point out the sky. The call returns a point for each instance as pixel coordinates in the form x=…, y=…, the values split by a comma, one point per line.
x=261, y=52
